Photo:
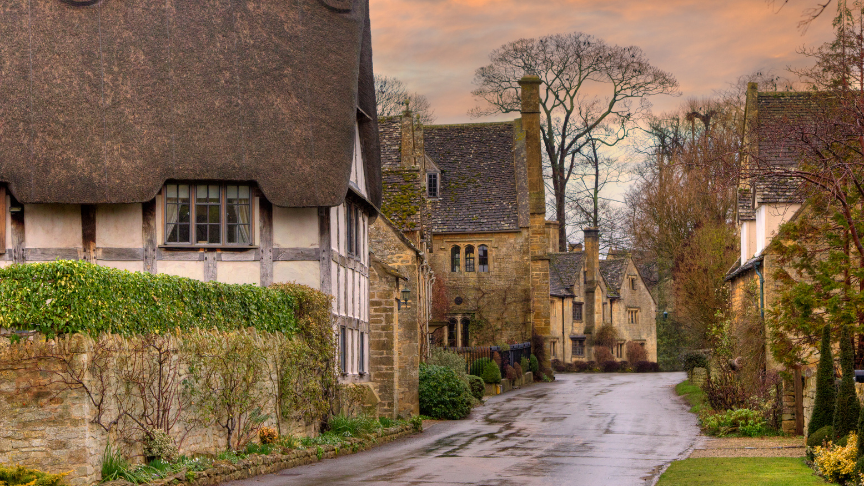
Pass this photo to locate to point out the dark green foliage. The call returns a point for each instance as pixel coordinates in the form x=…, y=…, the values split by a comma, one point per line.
x=526, y=365
x=860, y=433
x=847, y=408
x=533, y=364
x=491, y=373
x=694, y=359
x=66, y=297
x=478, y=386
x=859, y=466
x=826, y=391
x=820, y=436
x=479, y=365
x=442, y=394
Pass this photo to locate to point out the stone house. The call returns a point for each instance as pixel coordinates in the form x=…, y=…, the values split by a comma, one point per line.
x=214, y=142
x=587, y=293
x=763, y=206
x=463, y=194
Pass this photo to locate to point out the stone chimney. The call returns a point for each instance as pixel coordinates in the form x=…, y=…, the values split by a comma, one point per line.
x=538, y=237
x=593, y=313
x=552, y=236
x=409, y=143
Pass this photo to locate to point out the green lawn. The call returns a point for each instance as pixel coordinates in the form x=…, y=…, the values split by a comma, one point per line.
x=740, y=471
x=693, y=394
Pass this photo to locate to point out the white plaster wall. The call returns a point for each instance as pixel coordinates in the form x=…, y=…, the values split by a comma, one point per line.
x=748, y=240
x=52, y=226
x=119, y=226
x=769, y=217
x=183, y=269
x=295, y=227
x=238, y=272
x=125, y=265
x=306, y=273
x=358, y=173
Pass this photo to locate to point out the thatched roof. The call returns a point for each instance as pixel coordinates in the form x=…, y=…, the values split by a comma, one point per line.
x=104, y=103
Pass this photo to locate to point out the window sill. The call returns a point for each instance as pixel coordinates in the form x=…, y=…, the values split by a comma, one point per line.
x=207, y=247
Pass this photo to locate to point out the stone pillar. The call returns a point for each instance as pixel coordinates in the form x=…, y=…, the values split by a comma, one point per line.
x=408, y=149
x=593, y=312
x=538, y=238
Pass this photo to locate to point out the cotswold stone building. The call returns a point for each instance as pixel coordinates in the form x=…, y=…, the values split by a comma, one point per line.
x=471, y=198
x=235, y=143
x=587, y=293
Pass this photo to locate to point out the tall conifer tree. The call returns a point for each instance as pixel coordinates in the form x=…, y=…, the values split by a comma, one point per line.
x=847, y=410
x=826, y=391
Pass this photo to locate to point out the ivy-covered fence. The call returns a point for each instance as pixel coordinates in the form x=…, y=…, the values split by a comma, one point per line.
x=135, y=358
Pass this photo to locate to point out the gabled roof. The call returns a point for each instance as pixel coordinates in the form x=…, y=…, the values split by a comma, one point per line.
x=104, y=103
x=478, y=187
x=564, y=269
x=613, y=274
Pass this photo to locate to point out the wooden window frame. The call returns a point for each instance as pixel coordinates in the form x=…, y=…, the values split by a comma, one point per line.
x=455, y=259
x=343, y=350
x=578, y=305
x=481, y=267
x=223, y=219
x=433, y=180
x=633, y=316
x=470, y=259
x=578, y=347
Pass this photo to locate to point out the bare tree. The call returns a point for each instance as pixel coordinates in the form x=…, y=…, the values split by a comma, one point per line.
x=393, y=97
x=586, y=84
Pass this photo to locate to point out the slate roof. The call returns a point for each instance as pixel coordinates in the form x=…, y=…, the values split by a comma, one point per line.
x=104, y=103
x=478, y=187
x=745, y=205
x=564, y=269
x=613, y=274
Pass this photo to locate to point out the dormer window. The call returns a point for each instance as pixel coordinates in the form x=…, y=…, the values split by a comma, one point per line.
x=432, y=185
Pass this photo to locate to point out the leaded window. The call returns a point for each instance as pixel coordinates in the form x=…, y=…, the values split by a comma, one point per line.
x=483, y=258
x=577, y=311
x=432, y=184
x=454, y=259
x=469, y=258
x=208, y=214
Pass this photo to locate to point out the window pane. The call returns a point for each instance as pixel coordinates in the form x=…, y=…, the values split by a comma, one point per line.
x=185, y=217
x=214, y=214
x=231, y=193
x=201, y=233
x=215, y=236
x=454, y=259
x=201, y=213
x=483, y=258
x=469, y=258
x=231, y=214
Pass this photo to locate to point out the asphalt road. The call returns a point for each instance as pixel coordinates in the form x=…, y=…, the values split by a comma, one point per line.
x=583, y=429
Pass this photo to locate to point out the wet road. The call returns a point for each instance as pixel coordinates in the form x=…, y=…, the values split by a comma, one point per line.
x=582, y=429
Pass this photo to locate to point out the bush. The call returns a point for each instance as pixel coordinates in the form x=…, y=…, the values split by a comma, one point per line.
x=569, y=367
x=636, y=352
x=724, y=392
x=491, y=373
x=510, y=373
x=67, y=297
x=557, y=365
x=742, y=421
x=518, y=369
x=448, y=359
x=847, y=408
x=477, y=385
x=442, y=394
x=610, y=366
x=267, y=435
x=159, y=445
x=24, y=476
x=606, y=337
x=820, y=437
x=525, y=364
x=496, y=357
x=694, y=359
x=826, y=390
x=479, y=365
x=603, y=354
x=646, y=367
x=835, y=462
x=581, y=366
x=533, y=365
x=347, y=426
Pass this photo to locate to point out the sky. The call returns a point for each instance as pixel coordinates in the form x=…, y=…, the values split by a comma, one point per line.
x=435, y=46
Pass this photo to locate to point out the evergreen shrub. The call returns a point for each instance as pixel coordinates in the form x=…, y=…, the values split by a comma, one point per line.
x=479, y=365
x=442, y=394
x=848, y=408
x=477, y=385
x=533, y=365
x=525, y=363
x=491, y=373
x=820, y=436
x=694, y=359
x=826, y=390
x=448, y=359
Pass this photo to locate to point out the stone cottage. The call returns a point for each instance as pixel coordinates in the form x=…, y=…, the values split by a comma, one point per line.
x=587, y=293
x=235, y=143
x=471, y=197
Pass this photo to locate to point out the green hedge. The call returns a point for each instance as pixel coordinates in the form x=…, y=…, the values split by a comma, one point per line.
x=442, y=394
x=64, y=297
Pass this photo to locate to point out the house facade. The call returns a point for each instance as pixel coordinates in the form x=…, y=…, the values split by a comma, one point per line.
x=212, y=142
x=587, y=293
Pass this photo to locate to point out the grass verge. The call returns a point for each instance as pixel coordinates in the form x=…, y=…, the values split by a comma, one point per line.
x=740, y=471
x=693, y=394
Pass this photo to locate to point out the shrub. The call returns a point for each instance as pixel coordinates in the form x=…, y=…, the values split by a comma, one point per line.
x=525, y=364
x=479, y=365
x=267, y=435
x=569, y=367
x=636, y=352
x=448, y=359
x=610, y=366
x=533, y=364
x=159, y=445
x=491, y=373
x=826, y=390
x=518, y=368
x=724, y=392
x=67, y=297
x=24, y=476
x=741, y=421
x=581, y=366
x=592, y=366
x=694, y=359
x=603, y=354
x=848, y=408
x=442, y=394
x=835, y=462
x=557, y=365
x=820, y=437
x=477, y=385
x=496, y=357
x=606, y=337
x=510, y=373
x=646, y=367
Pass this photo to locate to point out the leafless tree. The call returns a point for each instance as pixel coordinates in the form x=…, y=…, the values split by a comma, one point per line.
x=393, y=97
x=586, y=84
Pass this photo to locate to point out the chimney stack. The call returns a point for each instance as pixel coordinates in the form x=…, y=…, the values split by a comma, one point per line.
x=575, y=247
x=593, y=315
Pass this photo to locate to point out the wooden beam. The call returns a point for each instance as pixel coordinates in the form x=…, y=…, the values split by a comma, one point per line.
x=120, y=254
x=210, y=271
x=3, y=210
x=50, y=254
x=266, y=246
x=88, y=231
x=148, y=230
x=17, y=233
x=325, y=249
x=239, y=256
x=191, y=255
x=296, y=254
